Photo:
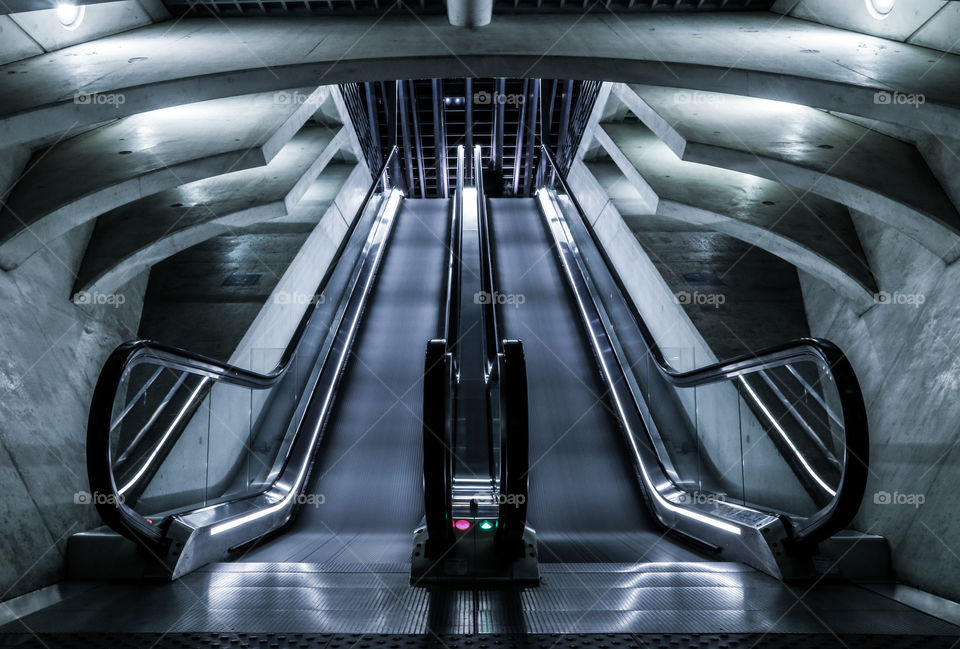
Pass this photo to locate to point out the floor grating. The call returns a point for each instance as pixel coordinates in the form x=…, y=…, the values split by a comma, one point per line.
x=491, y=641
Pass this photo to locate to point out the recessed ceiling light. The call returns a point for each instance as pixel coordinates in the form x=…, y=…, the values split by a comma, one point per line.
x=880, y=9
x=70, y=13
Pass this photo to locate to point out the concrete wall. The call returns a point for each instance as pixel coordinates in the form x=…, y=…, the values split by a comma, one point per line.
x=907, y=356
x=51, y=352
x=51, y=349
x=905, y=353
x=930, y=23
x=278, y=318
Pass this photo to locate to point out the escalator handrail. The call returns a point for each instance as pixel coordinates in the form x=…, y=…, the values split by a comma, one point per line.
x=183, y=359
x=440, y=377
x=110, y=505
x=437, y=467
x=452, y=313
x=506, y=371
x=492, y=344
x=515, y=452
x=843, y=507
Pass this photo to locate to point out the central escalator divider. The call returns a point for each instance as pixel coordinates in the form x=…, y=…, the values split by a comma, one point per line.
x=475, y=424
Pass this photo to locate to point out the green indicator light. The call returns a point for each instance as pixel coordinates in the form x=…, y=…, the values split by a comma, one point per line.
x=486, y=525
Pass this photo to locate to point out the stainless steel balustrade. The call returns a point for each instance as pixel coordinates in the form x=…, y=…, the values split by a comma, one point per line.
x=155, y=406
x=760, y=457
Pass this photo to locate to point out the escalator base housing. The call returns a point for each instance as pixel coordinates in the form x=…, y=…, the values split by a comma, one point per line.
x=473, y=559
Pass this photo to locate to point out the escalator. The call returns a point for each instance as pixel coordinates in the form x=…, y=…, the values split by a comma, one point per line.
x=376, y=420
x=321, y=460
x=761, y=459
x=582, y=427
x=585, y=501
x=542, y=444
x=631, y=461
x=337, y=421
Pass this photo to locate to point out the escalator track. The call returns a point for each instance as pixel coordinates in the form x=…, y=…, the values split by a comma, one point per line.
x=585, y=502
x=367, y=473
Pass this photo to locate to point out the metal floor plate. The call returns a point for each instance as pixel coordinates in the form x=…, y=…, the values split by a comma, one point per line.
x=654, y=598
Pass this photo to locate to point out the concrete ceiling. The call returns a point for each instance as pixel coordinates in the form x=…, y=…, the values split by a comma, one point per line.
x=186, y=111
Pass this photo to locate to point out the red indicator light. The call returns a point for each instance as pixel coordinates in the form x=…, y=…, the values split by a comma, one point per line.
x=462, y=525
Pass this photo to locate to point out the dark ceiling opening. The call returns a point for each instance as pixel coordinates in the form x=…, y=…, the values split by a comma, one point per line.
x=508, y=118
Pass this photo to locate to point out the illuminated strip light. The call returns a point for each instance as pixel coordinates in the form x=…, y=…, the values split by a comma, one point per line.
x=786, y=438
x=555, y=220
x=166, y=436
x=379, y=236
x=470, y=208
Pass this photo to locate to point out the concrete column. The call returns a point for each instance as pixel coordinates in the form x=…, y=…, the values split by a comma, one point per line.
x=469, y=13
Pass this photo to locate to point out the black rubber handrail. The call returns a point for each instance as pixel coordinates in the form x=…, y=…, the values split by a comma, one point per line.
x=492, y=344
x=515, y=452
x=506, y=371
x=855, y=468
x=437, y=468
x=451, y=324
x=110, y=505
x=439, y=394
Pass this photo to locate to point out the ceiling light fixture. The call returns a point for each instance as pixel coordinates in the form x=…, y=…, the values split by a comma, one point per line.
x=70, y=13
x=880, y=9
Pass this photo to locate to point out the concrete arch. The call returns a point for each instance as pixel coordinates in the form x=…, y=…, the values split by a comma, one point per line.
x=756, y=55
x=145, y=154
x=805, y=148
x=132, y=238
x=810, y=232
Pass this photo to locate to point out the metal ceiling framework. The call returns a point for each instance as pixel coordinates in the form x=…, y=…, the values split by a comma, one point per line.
x=428, y=7
x=428, y=118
